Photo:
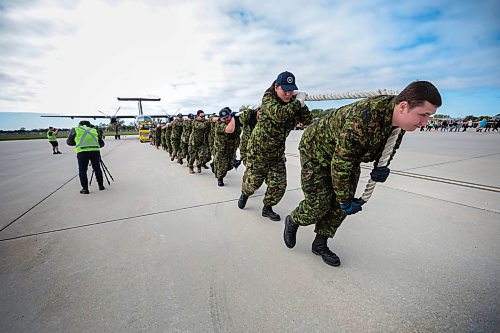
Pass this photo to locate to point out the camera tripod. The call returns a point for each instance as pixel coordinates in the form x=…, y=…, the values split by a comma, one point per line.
x=105, y=171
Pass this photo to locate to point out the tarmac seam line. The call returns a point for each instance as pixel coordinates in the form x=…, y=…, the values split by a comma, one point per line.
x=437, y=179
x=45, y=198
x=210, y=204
x=494, y=211
x=122, y=218
x=39, y=202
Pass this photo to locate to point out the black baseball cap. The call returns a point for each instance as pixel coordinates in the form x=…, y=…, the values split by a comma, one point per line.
x=287, y=81
x=225, y=112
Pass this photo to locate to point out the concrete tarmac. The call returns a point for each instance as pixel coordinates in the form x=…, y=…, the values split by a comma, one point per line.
x=161, y=250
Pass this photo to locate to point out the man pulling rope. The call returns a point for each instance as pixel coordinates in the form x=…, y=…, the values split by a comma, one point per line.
x=332, y=149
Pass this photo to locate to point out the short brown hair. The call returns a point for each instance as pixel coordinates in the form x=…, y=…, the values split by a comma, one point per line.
x=416, y=93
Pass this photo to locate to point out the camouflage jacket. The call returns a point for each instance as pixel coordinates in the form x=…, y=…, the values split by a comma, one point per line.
x=275, y=122
x=350, y=135
x=248, y=119
x=223, y=141
x=199, y=133
x=177, y=127
x=168, y=132
x=211, y=134
x=186, y=130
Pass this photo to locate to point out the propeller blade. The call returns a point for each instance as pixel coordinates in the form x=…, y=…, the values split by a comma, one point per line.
x=103, y=113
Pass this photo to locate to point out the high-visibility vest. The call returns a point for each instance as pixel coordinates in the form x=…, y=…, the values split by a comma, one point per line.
x=51, y=136
x=86, y=139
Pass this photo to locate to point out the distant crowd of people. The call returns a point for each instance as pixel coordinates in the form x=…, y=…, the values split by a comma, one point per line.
x=462, y=126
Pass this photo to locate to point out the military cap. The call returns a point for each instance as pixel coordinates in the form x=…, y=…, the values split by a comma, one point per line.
x=225, y=112
x=287, y=81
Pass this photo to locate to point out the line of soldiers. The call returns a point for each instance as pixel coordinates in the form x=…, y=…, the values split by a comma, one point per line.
x=331, y=150
x=197, y=139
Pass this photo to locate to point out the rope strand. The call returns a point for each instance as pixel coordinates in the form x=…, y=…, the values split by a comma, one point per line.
x=383, y=161
x=350, y=95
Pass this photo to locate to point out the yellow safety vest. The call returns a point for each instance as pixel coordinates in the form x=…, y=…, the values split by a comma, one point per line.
x=51, y=137
x=86, y=139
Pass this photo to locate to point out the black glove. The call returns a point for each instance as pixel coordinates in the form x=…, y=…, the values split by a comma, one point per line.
x=352, y=206
x=233, y=114
x=380, y=174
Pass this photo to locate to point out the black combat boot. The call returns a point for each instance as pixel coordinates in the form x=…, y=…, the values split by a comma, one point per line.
x=212, y=167
x=242, y=201
x=84, y=191
x=220, y=182
x=236, y=164
x=320, y=248
x=290, y=232
x=204, y=165
x=101, y=187
x=267, y=211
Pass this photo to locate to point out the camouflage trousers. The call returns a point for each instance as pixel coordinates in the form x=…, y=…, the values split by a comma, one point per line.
x=157, y=141
x=163, y=142
x=169, y=145
x=184, y=150
x=243, y=146
x=222, y=162
x=273, y=172
x=176, y=146
x=198, y=154
x=234, y=146
x=320, y=205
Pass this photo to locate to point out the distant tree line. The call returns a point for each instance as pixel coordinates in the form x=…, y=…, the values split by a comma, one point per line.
x=316, y=113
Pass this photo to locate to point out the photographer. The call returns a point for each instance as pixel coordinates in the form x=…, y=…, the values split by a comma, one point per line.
x=87, y=141
x=51, y=135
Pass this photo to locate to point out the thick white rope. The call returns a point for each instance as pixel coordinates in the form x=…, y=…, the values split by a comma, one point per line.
x=350, y=95
x=383, y=161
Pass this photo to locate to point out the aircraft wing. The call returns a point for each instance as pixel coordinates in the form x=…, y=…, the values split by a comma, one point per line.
x=88, y=116
x=158, y=115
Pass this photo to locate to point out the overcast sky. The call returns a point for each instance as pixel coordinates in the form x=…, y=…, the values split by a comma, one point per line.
x=75, y=57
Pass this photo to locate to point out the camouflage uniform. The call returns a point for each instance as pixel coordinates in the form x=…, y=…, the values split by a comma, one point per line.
x=331, y=151
x=186, y=132
x=266, y=147
x=152, y=135
x=163, y=137
x=168, y=137
x=177, y=127
x=224, y=143
x=235, y=137
x=158, y=136
x=198, y=143
x=211, y=139
x=248, y=119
